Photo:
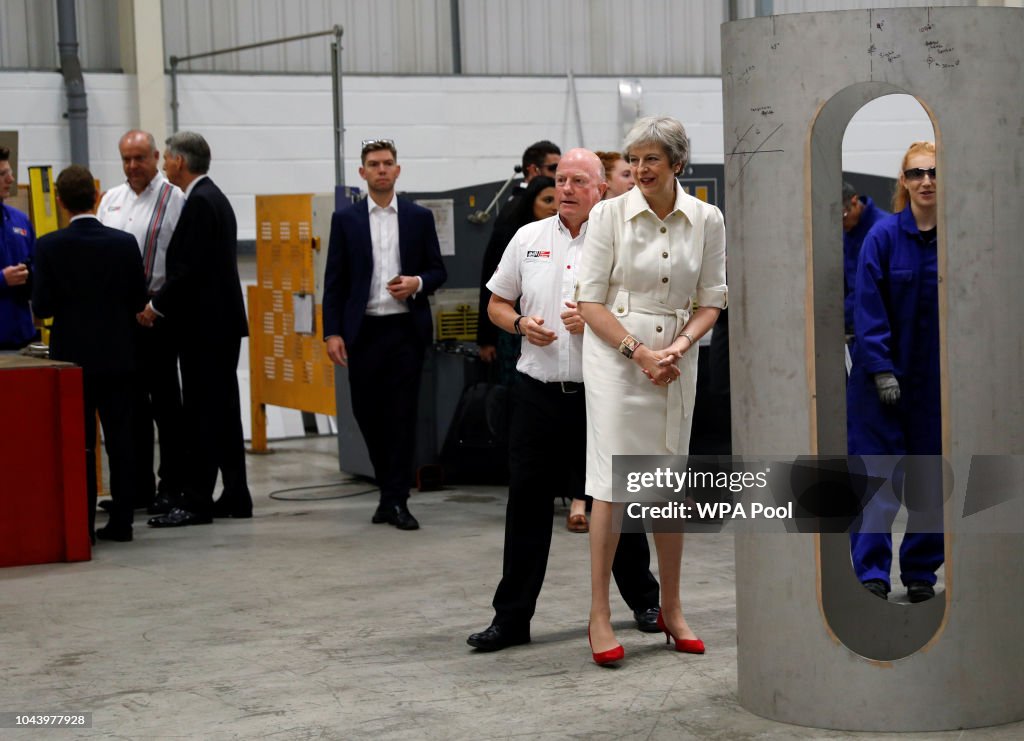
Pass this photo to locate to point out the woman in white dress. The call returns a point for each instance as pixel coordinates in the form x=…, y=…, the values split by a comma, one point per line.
x=651, y=256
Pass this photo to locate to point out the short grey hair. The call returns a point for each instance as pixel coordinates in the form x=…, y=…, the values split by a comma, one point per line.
x=664, y=131
x=193, y=148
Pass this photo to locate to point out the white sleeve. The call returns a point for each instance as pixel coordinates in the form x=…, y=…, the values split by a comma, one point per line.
x=595, y=271
x=507, y=281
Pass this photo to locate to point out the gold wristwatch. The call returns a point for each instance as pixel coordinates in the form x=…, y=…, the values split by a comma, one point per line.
x=629, y=345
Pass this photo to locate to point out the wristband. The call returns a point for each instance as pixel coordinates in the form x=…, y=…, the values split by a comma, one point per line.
x=629, y=345
x=515, y=325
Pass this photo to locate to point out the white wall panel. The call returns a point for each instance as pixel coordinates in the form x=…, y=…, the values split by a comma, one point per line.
x=272, y=133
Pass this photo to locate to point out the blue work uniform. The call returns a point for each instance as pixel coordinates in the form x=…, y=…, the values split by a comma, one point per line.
x=17, y=240
x=852, y=241
x=896, y=328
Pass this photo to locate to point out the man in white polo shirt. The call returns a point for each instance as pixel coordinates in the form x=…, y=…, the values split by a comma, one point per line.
x=147, y=207
x=547, y=431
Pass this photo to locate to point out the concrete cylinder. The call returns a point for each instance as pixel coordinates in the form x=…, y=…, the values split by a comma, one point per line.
x=814, y=647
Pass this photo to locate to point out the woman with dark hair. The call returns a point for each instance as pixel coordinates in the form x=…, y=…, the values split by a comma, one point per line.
x=893, y=395
x=537, y=202
x=652, y=282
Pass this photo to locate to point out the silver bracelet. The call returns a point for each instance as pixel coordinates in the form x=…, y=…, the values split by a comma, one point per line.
x=687, y=336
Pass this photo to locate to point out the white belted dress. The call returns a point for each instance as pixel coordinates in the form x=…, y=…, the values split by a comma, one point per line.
x=649, y=273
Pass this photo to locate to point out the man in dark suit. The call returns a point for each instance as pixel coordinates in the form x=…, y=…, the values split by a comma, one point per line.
x=383, y=262
x=201, y=300
x=90, y=279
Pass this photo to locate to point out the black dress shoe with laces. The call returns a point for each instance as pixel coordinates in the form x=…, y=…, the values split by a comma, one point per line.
x=647, y=620
x=877, y=587
x=917, y=591
x=161, y=504
x=497, y=637
x=397, y=515
x=178, y=517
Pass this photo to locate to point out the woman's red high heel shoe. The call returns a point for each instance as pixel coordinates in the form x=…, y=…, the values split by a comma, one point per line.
x=686, y=645
x=605, y=657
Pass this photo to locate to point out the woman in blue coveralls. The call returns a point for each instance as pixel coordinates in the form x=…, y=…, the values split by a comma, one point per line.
x=893, y=393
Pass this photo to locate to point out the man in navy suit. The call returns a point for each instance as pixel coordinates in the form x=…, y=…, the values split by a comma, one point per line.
x=201, y=300
x=90, y=279
x=383, y=262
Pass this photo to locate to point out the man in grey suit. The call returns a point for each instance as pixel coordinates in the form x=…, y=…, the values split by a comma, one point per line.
x=202, y=303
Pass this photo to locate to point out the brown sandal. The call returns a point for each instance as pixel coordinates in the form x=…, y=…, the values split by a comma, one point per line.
x=577, y=524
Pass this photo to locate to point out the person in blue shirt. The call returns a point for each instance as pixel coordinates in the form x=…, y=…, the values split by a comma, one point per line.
x=893, y=394
x=859, y=214
x=16, y=244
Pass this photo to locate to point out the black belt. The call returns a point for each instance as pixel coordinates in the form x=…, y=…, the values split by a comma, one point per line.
x=566, y=387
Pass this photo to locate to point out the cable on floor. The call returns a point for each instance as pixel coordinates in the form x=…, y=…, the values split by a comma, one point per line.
x=277, y=492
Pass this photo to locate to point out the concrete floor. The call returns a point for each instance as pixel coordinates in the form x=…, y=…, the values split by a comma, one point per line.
x=308, y=622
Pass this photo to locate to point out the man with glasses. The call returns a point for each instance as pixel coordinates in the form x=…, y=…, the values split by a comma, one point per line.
x=16, y=244
x=540, y=158
x=859, y=214
x=383, y=262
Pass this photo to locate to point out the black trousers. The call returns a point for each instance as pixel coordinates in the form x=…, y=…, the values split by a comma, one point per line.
x=385, y=364
x=547, y=458
x=112, y=395
x=213, y=423
x=159, y=401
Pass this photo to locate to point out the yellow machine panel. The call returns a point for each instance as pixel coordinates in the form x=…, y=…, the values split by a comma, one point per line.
x=42, y=200
x=288, y=363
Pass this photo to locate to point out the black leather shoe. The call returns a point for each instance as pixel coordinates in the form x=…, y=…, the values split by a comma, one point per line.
x=647, y=620
x=161, y=504
x=118, y=535
x=917, y=591
x=222, y=508
x=397, y=515
x=877, y=587
x=497, y=637
x=178, y=517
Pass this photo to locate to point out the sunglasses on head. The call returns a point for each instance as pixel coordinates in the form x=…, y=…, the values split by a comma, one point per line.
x=378, y=142
x=918, y=173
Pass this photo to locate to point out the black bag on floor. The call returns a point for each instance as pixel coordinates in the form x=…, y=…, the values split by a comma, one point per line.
x=476, y=446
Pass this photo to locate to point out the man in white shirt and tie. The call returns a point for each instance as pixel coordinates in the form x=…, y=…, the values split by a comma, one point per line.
x=147, y=207
x=383, y=262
